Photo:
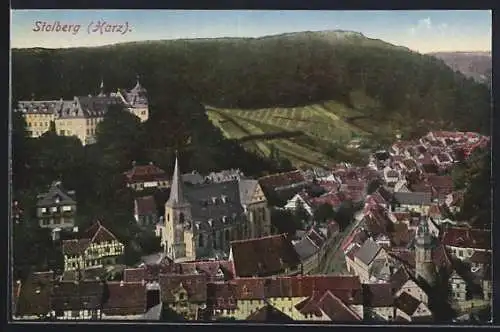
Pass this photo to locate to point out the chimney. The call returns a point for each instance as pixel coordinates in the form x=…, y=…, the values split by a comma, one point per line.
x=122, y=283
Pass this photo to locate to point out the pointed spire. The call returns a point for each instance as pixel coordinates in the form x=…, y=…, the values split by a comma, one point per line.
x=101, y=87
x=176, y=193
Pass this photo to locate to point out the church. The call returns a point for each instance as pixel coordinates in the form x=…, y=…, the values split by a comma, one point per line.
x=201, y=220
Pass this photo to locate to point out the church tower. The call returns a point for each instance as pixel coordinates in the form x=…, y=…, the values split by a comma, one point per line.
x=424, y=266
x=177, y=237
x=101, y=89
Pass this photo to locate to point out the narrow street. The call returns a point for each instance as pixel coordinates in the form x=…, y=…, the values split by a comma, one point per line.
x=335, y=261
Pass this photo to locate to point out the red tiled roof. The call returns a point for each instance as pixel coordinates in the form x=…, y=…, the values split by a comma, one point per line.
x=75, y=246
x=336, y=309
x=467, y=238
x=195, y=285
x=125, y=299
x=134, y=274
x=441, y=259
x=282, y=179
x=401, y=216
x=97, y=233
x=210, y=268
x=309, y=306
x=401, y=235
x=145, y=205
x=146, y=173
x=264, y=256
x=347, y=288
x=221, y=296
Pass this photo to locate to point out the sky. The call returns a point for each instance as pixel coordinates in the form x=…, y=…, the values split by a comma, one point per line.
x=419, y=30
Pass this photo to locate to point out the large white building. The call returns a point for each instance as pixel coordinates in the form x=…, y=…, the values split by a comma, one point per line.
x=79, y=117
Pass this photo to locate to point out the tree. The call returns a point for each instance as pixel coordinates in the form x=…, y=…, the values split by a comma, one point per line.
x=373, y=185
x=284, y=221
x=323, y=213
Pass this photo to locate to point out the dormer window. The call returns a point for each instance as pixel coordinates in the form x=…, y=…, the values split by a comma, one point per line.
x=57, y=199
x=224, y=199
x=214, y=200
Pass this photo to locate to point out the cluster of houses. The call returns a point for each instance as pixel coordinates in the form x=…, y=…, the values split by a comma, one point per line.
x=222, y=259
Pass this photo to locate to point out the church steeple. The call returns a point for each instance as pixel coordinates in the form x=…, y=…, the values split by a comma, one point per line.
x=176, y=193
x=101, y=88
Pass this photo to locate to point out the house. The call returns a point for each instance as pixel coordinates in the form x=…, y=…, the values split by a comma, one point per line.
x=411, y=309
x=309, y=254
x=369, y=252
x=378, y=302
x=463, y=242
x=215, y=270
x=264, y=256
x=458, y=285
x=300, y=199
x=283, y=185
x=145, y=211
x=401, y=186
x=412, y=201
x=185, y=294
x=443, y=159
x=56, y=208
x=96, y=247
x=403, y=282
x=391, y=176
x=142, y=177
x=454, y=201
x=299, y=297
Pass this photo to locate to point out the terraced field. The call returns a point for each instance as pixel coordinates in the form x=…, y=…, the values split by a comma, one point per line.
x=317, y=128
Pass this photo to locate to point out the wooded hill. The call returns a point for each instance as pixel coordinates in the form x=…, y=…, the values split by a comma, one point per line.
x=276, y=71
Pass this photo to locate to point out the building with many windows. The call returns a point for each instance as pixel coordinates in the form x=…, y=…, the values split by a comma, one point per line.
x=79, y=117
x=56, y=208
x=97, y=247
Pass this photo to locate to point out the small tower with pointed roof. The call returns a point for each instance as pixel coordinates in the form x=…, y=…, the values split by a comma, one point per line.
x=424, y=266
x=177, y=236
x=101, y=89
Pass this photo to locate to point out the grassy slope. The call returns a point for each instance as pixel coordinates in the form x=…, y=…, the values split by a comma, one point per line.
x=322, y=124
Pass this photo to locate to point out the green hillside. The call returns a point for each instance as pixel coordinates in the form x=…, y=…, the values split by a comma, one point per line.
x=331, y=85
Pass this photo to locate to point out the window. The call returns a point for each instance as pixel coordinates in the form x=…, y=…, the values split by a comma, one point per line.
x=460, y=253
x=53, y=209
x=61, y=132
x=66, y=208
x=44, y=210
x=200, y=240
x=181, y=218
x=227, y=235
x=41, y=124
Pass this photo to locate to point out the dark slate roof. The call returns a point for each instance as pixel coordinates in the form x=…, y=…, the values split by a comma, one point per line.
x=193, y=178
x=413, y=198
x=39, y=106
x=378, y=295
x=56, y=191
x=407, y=303
x=368, y=251
x=227, y=201
x=305, y=248
x=97, y=105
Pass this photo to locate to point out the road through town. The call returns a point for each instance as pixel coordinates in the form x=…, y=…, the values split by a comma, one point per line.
x=335, y=261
